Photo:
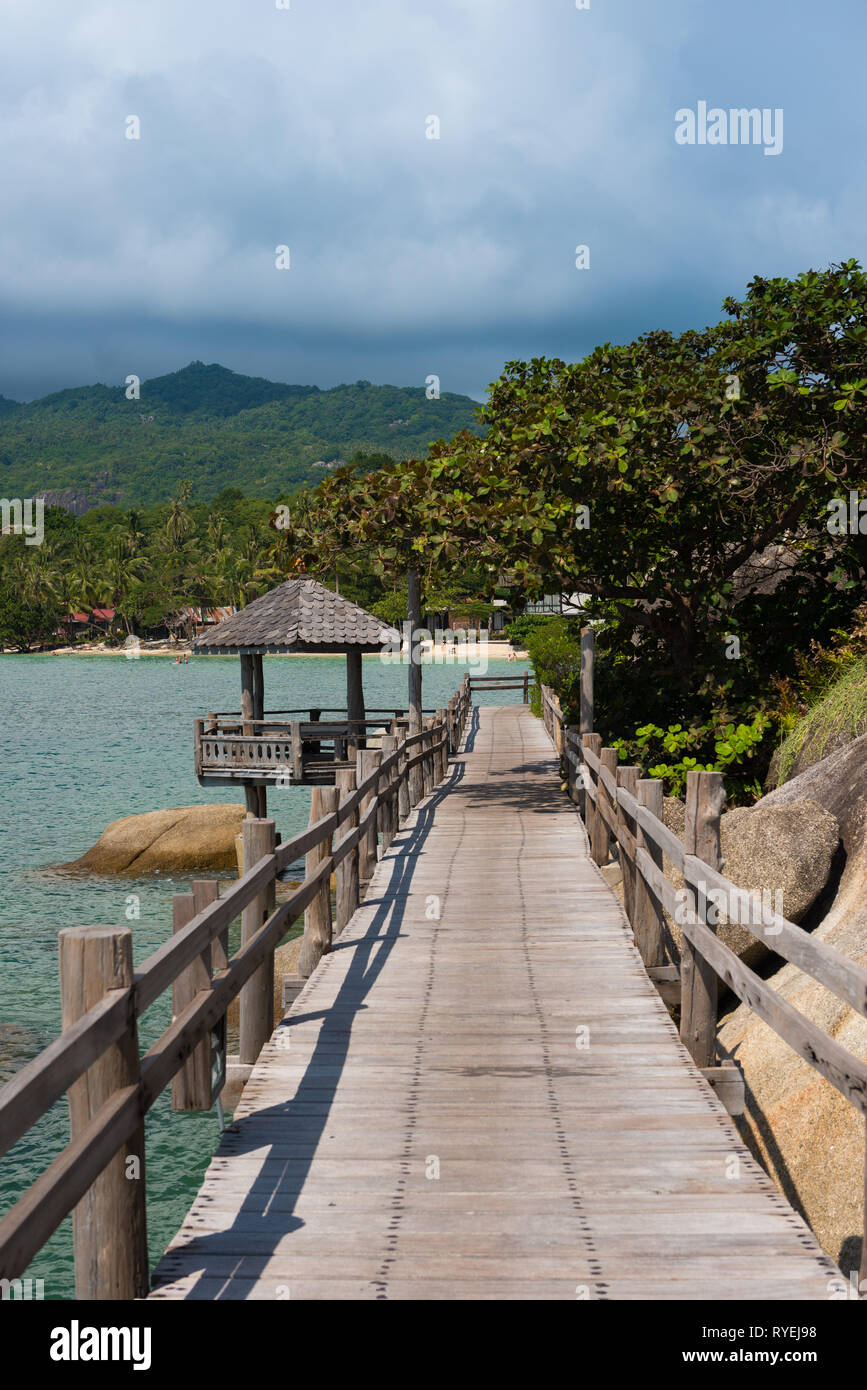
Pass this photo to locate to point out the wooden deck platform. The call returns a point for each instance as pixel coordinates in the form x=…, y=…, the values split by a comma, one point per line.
x=479, y=1093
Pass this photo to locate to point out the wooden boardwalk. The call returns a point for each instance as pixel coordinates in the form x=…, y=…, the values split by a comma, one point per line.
x=479, y=1093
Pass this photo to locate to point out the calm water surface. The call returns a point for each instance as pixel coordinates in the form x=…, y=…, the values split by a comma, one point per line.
x=84, y=740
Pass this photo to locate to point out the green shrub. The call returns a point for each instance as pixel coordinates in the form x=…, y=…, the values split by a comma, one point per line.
x=519, y=629
x=715, y=746
x=554, y=648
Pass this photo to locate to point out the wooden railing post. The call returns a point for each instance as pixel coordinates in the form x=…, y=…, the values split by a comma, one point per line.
x=573, y=776
x=191, y=1088
x=347, y=869
x=198, y=734
x=588, y=648
x=368, y=760
x=627, y=777
x=296, y=745
x=451, y=721
x=526, y=693
x=317, y=915
x=388, y=808
x=441, y=757
x=647, y=922
x=608, y=758
x=427, y=764
x=257, y=995
x=415, y=777
x=109, y=1224
x=594, y=743
x=705, y=797
x=205, y=892
x=403, y=801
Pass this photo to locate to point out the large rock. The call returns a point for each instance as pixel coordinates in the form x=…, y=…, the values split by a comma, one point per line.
x=182, y=840
x=839, y=783
x=768, y=848
x=807, y=1136
x=805, y=1133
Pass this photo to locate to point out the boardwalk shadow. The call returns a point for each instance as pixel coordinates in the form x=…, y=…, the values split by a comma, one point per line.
x=273, y=1198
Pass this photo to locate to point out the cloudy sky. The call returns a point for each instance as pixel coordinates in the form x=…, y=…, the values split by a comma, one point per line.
x=307, y=127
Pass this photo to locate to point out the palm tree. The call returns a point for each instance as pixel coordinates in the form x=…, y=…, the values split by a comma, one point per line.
x=134, y=533
x=119, y=571
x=179, y=522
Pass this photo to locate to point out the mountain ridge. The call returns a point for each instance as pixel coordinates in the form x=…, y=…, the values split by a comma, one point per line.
x=214, y=426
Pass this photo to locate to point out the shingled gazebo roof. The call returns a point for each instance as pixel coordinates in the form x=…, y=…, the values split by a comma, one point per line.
x=298, y=616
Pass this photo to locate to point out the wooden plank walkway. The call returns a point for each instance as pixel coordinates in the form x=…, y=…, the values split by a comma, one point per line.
x=423, y=1125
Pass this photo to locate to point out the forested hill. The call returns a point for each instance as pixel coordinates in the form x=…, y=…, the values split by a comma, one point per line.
x=91, y=445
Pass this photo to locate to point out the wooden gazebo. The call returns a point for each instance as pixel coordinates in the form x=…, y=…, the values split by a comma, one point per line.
x=255, y=749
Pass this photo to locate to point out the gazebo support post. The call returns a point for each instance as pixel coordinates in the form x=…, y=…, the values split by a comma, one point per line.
x=248, y=714
x=355, y=693
x=259, y=713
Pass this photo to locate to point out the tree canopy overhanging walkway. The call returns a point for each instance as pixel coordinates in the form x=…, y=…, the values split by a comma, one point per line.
x=480, y=1094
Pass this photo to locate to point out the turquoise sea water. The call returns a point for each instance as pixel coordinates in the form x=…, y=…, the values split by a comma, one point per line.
x=83, y=741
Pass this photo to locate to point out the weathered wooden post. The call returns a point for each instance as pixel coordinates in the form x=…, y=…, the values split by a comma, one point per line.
x=347, y=869
x=588, y=650
x=573, y=776
x=247, y=707
x=257, y=995
x=608, y=758
x=442, y=756
x=594, y=743
x=109, y=1224
x=705, y=798
x=585, y=712
x=526, y=693
x=251, y=791
x=416, y=776
x=627, y=777
x=296, y=746
x=205, y=892
x=403, y=802
x=387, y=809
x=369, y=760
x=191, y=1086
x=198, y=734
x=317, y=914
x=427, y=762
x=647, y=923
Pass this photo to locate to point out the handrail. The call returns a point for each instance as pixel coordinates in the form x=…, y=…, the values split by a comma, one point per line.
x=512, y=681
x=842, y=976
x=41, y=1082
x=628, y=810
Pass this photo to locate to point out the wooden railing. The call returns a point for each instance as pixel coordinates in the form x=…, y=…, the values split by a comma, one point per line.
x=229, y=748
x=516, y=682
x=620, y=806
x=100, y=1175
